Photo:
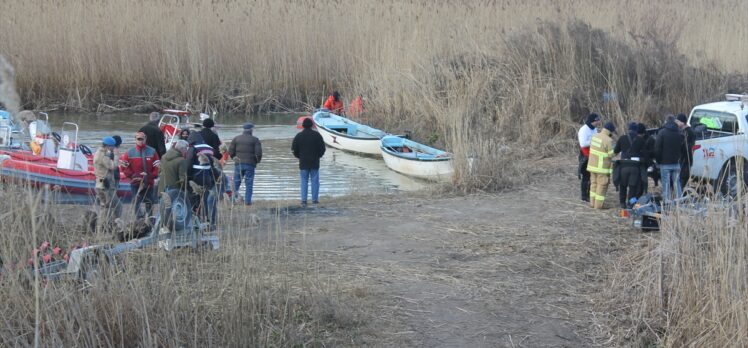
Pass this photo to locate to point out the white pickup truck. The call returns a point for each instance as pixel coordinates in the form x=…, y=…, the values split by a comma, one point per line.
x=721, y=142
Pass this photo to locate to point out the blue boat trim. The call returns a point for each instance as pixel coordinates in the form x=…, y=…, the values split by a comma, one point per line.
x=351, y=126
x=420, y=152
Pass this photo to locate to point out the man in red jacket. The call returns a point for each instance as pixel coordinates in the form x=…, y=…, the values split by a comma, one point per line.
x=140, y=164
x=334, y=104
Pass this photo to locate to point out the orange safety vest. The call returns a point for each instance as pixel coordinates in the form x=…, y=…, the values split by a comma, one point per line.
x=336, y=107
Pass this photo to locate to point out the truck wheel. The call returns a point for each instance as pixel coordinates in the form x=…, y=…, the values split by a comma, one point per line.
x=728, y=182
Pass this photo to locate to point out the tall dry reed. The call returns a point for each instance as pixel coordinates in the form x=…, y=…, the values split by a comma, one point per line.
x=687, y=286
x=475, y=78
x=255, y=291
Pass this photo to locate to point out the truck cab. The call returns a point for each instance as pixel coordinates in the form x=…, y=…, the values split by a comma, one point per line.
x=721, y=142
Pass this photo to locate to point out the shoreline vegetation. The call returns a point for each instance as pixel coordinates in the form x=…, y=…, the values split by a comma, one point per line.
x=502, y=85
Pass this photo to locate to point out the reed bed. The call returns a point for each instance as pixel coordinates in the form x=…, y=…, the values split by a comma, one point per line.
x=485, y=80
x=496, y=83
x=254, y=291
x=686, y=286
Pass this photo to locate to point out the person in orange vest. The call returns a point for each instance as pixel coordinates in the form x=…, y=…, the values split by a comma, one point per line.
x=357, y=107
x=334, y=104
x=600, y=165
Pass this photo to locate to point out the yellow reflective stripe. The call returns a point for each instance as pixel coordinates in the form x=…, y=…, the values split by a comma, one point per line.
x=599, y=170
x=600, y=153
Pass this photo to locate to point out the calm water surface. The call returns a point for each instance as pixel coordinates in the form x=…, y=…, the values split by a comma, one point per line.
x=277, y=176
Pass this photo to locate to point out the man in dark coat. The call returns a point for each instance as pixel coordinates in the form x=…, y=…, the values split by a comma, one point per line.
x=210, y=137
x=669, y=151
x=246, y=151
x=153, y=135
x=685, y=168
x=308, y=147
x=631, y=147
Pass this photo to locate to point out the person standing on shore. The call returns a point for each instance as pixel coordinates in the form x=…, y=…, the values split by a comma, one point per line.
x=246, y=151
x=153, y=134
x=308, y=147
x=106, y=191
x=141, y=166
x=690, y=140
x=669, y=149
x=631, y=147
x=210, y=137
x=585, y=133
x=334, y=104
x=173, y=170
x=600, y=165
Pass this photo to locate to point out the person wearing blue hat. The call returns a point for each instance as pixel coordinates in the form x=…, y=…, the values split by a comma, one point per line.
x=600, y=165
x=246, y=151
x=106, y=191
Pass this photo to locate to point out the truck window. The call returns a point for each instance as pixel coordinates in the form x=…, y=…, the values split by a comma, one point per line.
x=717, y=123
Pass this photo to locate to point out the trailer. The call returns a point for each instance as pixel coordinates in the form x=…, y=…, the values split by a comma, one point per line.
x=175, y=227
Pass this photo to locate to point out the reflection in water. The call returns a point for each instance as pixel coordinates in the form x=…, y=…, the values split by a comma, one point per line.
x=277, y=176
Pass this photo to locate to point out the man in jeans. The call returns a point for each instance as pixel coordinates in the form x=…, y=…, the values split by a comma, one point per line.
x=308, y=147
x=246, y=151
x=669, y=149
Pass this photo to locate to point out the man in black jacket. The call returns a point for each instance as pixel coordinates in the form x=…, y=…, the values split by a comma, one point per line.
x=308, y=147
x=669, y=151
x=631, y=147
x=685, y=168
x=210, y=137
x=153, y=136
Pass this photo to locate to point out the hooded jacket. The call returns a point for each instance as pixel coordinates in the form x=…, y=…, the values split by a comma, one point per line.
x=670, y=144
x=246, y=148
x=173, y=171
x=154, y=137
x=211, y=138
x=632, y=148
x=601, y=153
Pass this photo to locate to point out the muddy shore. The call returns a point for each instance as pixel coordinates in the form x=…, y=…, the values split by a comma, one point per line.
x=526, y=267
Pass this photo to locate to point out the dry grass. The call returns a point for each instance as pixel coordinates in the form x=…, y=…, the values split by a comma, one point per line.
x=495, y=83
x=516, y=71
x=686, y=286
x=255, y=291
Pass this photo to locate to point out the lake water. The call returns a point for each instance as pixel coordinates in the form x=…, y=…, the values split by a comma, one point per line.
x=277, y=176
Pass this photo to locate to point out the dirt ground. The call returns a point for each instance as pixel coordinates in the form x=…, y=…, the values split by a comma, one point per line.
x=523, y=268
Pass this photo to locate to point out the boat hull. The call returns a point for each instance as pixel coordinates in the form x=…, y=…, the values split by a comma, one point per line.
x=66, y=186
x=344, y=134
x=432, y=170
x=350, y=144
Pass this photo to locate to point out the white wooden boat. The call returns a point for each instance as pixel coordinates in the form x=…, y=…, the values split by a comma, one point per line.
x=344, y=134
x=414, y=159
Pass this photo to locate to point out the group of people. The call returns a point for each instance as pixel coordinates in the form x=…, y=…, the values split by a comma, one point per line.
x=669, y=149
x=193, y=163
